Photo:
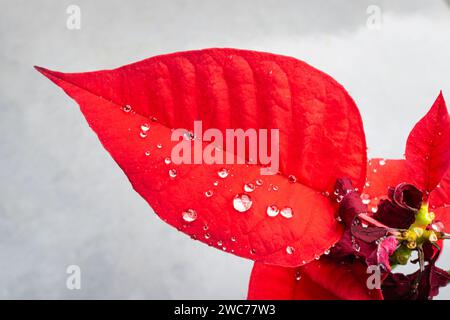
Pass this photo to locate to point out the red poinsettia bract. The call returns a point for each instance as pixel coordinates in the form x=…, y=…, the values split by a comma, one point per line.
x=321, y=233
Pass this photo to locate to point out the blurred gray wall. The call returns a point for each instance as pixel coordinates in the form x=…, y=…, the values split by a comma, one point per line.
x=64, y=201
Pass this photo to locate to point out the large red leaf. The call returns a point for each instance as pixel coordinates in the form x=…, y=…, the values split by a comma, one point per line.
x=428, y=147
x=321, y=138
x=318, y=280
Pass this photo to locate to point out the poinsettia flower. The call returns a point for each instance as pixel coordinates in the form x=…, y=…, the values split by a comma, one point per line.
x=287, y=219
x=392, y=201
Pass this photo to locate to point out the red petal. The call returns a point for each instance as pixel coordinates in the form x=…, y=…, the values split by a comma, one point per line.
x=440, y=197
x=382, y=174
x=321, y=138
x=443, y=215
x=428, y=147
x=318, y=280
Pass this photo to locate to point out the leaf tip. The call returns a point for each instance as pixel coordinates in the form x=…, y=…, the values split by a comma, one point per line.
x=44, y=71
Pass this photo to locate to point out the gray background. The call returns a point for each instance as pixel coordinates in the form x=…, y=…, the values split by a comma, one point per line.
x=64, y=201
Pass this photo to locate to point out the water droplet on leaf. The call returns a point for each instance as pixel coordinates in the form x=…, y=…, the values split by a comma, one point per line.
x=172, y=173
x=223, y=173
x=286, y=212
x=249, y=187
x=272, y=211
x=290, y=250
x=145, y=127
x=209, y=193
x=189, y=215
x=242, y=202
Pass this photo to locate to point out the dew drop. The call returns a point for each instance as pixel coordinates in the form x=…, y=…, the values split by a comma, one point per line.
x=382, y=162
x=233, y=239
x=316, y=257
x=326, y=252
x=286, y=212
x=356, y=247
x=216, y=183
x=172, y=173
x=272, y=211
x=159, y=145
x=249, y=187
x=223, y=173
x=365, y=198
x=259, y=182
x=147, y=153
x=274, y=187
x=292, y=179
x=205, y=227
x=145, y=127
x=167, y=161
x=189, y=215
x=252, y=251
x=298, y=276
x=209, y=193
x=207, y=236
x=326, y=194
x=219, y=243
x=290, y=250
x=242, y=202
x=367, y=184
x=126, y=108
x=143, y=134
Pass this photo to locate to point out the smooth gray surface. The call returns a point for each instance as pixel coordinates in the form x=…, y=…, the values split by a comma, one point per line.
x=63, y=199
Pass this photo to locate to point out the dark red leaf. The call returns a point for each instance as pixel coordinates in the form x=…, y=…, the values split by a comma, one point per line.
x=399, y=211
x=367, y=234
x=416, y=286
x=380, y=256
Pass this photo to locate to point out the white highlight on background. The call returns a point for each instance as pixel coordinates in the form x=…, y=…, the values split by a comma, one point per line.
x=375, y=18
x=73, y=21
x=73, y=281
